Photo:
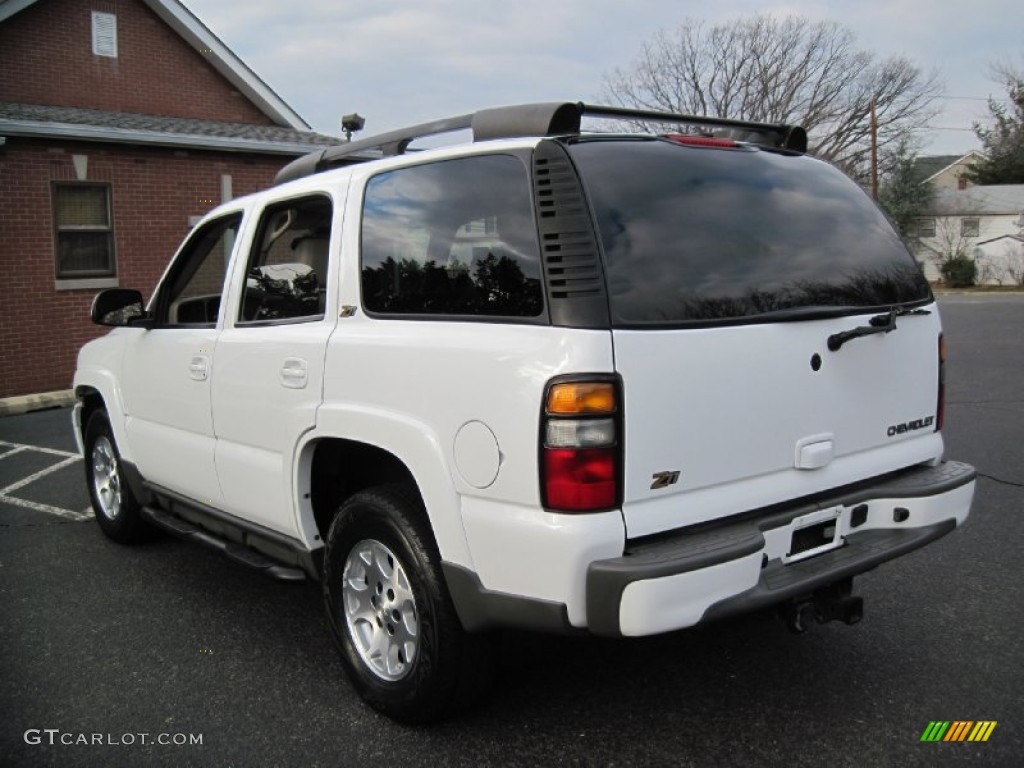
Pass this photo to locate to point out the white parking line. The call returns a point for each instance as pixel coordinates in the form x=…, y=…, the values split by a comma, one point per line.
x=40, y=449
x=36, y=475
x=69, y=459
x=34, y=505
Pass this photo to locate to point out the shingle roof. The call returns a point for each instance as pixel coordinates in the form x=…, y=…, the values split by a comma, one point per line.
x=926, y=167
x=929, y=166
x=991, y=199
x=41, y=121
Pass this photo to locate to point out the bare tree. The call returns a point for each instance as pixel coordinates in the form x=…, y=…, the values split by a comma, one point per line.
x=787, y=70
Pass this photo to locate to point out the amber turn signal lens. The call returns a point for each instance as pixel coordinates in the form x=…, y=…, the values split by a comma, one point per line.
x=580, y=397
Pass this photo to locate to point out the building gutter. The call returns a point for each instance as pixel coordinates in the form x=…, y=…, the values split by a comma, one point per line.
x=96, y=133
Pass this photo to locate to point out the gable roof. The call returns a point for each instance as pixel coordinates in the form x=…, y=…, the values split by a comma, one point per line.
x=188, y=26
x=928, y=167
x=41, y=121
x=1015, y=238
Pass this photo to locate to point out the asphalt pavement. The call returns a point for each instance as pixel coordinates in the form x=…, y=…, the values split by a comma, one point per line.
x=169, y=642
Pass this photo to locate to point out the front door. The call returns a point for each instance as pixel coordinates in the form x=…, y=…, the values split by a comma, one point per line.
x=168, y=369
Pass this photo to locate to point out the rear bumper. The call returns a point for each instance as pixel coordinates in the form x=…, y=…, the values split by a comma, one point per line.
x=678, y=581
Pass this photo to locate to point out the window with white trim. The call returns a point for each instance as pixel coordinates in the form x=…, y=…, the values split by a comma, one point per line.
x=926, y=227
x=970, y=226
x=83, y=230
x=104, y=34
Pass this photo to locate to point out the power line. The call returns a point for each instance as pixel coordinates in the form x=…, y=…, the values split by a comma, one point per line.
x=976, y=98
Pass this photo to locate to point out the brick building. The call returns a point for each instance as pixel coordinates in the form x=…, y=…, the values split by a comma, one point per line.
x=121, y=122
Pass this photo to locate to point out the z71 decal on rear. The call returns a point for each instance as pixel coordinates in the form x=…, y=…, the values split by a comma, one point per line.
x=663, y=480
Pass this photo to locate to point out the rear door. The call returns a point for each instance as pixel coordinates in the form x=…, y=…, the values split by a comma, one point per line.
x=729, y=270
x=268, y=380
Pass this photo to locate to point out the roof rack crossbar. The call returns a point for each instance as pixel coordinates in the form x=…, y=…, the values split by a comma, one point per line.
x=549, y=119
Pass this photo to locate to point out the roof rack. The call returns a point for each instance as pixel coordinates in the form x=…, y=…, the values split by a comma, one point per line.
x=548, y=119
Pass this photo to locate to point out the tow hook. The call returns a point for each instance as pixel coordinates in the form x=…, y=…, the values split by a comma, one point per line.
x=829, y=603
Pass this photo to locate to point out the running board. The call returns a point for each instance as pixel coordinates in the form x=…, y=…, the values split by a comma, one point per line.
x=239, y=553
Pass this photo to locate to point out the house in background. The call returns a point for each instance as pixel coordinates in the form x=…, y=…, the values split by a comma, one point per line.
x=962, y=220
x=946, y=171
x=121, y=122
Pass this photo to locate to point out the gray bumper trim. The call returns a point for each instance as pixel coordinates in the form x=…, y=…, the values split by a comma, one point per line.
x=862, y=552
x=695, y=549
x=481, y=609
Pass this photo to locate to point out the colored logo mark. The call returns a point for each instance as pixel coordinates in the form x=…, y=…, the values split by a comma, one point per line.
x=958, y=730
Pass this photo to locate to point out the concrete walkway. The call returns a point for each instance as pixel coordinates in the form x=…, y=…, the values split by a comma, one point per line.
x=10, y=406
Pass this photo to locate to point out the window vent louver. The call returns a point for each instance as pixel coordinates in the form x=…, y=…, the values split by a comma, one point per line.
x=572, y=266
x=104, y=34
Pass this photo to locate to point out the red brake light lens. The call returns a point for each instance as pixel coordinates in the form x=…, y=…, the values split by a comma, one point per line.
x=699, y=141
x=580, y=480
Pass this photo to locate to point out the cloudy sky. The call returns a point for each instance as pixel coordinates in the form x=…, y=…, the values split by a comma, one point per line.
x=398, y=62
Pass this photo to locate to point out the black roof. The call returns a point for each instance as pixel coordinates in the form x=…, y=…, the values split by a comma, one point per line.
x=926, y=167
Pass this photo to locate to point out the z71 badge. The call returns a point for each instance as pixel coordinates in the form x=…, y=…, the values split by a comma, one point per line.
x=663, y=479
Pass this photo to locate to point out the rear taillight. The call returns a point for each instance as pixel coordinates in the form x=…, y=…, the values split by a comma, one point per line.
x=940, y=406
x=580, y=464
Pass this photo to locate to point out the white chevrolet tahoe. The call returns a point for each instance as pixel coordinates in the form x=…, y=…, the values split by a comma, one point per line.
x=547, y=378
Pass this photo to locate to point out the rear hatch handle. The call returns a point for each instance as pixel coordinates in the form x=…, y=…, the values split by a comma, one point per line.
x=877, y=324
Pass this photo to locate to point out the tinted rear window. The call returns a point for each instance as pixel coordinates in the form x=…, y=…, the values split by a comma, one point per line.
x=696, y=235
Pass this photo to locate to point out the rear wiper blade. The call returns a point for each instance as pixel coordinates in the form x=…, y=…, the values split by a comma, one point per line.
x=877, y=324
x=813, y=312
x=901, y=311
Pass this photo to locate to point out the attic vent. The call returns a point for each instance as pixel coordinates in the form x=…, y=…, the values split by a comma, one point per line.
x=104, y=34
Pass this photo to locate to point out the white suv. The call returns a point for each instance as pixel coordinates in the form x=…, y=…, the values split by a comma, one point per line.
x=545, y=379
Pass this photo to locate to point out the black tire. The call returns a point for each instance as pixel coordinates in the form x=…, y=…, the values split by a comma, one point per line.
x=449, y=667
x=118, y=513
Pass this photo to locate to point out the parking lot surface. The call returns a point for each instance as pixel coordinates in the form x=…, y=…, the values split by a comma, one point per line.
x=169, y=641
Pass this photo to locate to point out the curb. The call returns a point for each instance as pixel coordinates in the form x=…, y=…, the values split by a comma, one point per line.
x=11, y=406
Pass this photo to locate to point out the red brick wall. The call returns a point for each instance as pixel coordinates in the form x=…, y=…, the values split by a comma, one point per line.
x=46, y=58
x=154, y=193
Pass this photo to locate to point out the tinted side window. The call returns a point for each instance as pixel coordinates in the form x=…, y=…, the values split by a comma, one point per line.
x=452, y=238
x=286, y=275
x=192, y=292
x=697, y=235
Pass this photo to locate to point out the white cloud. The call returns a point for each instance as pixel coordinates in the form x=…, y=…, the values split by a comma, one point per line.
x=398, y=62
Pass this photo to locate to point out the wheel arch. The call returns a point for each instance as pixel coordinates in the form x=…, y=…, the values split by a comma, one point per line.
x=376, y=449
x=95, y=395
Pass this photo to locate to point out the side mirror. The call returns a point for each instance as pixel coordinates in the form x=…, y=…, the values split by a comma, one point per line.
x=117, y=307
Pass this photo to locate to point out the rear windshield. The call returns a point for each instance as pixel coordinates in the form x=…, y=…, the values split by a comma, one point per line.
x=694, y=235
